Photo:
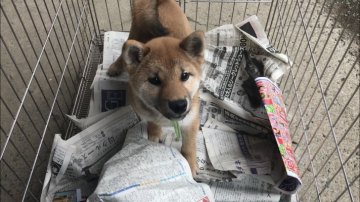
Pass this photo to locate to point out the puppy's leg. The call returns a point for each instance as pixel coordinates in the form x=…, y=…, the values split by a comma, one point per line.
x=117, y=67
x=154, y=132
x=188, y=148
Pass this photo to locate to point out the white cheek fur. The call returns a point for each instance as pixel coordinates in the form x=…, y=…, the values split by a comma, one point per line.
x=195, y=89
x=188, y=119
x=192, y=93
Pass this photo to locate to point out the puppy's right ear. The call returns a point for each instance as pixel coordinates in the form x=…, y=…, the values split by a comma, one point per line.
x=133, y=53
x=194, y=45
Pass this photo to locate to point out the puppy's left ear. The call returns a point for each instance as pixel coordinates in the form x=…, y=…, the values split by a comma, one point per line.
x=194, y=45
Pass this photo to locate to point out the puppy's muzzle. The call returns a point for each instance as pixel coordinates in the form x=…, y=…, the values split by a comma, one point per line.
x=178, y=106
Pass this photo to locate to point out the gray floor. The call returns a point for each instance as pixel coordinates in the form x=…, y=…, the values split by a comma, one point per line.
x=336, y=64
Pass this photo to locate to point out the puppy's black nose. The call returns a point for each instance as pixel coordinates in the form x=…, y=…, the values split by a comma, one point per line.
x=178, y=106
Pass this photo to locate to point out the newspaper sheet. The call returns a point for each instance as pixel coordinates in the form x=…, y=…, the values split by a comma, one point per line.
x=275, y=107
x=83, y=155
x=277, y=167
x=96, y=144
x=89, y=121
x=265, y=178
x=49, y=176
x=206, y=171
x=113, y=42
x=288, y=198
x=214, y=124
x=232, y=116
x=108, y=92
x=247, y=189
x=148, y=171
x=252, y=28
x=50, y=187
x=277, y=170
x=230, y=56
x=237, y=152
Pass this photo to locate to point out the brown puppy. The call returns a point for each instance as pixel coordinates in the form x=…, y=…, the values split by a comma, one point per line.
x=163, y=58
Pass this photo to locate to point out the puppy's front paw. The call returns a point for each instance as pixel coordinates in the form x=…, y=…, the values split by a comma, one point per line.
x=155, y=137
x=114, y=70
x=155, y=132
x=192, y=160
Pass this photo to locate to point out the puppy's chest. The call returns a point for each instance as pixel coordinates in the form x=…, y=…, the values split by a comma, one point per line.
x=155, y=117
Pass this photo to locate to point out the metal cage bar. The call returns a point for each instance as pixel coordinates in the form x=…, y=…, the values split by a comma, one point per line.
x=52, y=49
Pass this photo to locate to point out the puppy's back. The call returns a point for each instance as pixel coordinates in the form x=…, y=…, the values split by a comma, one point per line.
x=157, y=18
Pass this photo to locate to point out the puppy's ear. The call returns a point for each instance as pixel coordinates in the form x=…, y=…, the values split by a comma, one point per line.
x=194, y=45
x=134, y=52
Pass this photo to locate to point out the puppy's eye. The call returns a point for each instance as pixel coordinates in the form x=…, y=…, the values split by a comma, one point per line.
x=155, y=81
x=185, y=76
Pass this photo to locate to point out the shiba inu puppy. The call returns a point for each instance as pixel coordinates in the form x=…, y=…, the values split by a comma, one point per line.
x=163, y=57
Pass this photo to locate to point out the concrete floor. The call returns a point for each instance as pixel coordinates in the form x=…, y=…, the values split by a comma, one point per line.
x=18, y=63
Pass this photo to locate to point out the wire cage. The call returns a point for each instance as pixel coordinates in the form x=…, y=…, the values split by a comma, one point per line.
x=50, y=50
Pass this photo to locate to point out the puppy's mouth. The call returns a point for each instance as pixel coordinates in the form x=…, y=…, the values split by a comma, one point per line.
x=173, y=117
x=177, y=118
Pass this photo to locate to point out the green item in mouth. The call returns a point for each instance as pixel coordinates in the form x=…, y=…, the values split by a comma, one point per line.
x=177, y=129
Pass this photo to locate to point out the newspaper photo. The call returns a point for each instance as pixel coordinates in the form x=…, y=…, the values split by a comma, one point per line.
x=148, y=171
x=68, y=196
x=113, y=43
x=108, y=92
x=86, y=187
x=229, y=56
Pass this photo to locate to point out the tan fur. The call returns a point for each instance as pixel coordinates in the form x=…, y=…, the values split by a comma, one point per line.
x=146, y=55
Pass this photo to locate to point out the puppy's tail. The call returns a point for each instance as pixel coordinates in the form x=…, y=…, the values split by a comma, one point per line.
x=144, y=13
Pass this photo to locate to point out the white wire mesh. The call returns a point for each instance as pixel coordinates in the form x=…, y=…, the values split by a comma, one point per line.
x=50, y=51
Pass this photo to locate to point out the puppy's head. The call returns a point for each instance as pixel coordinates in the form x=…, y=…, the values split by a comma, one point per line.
x=165, y=73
